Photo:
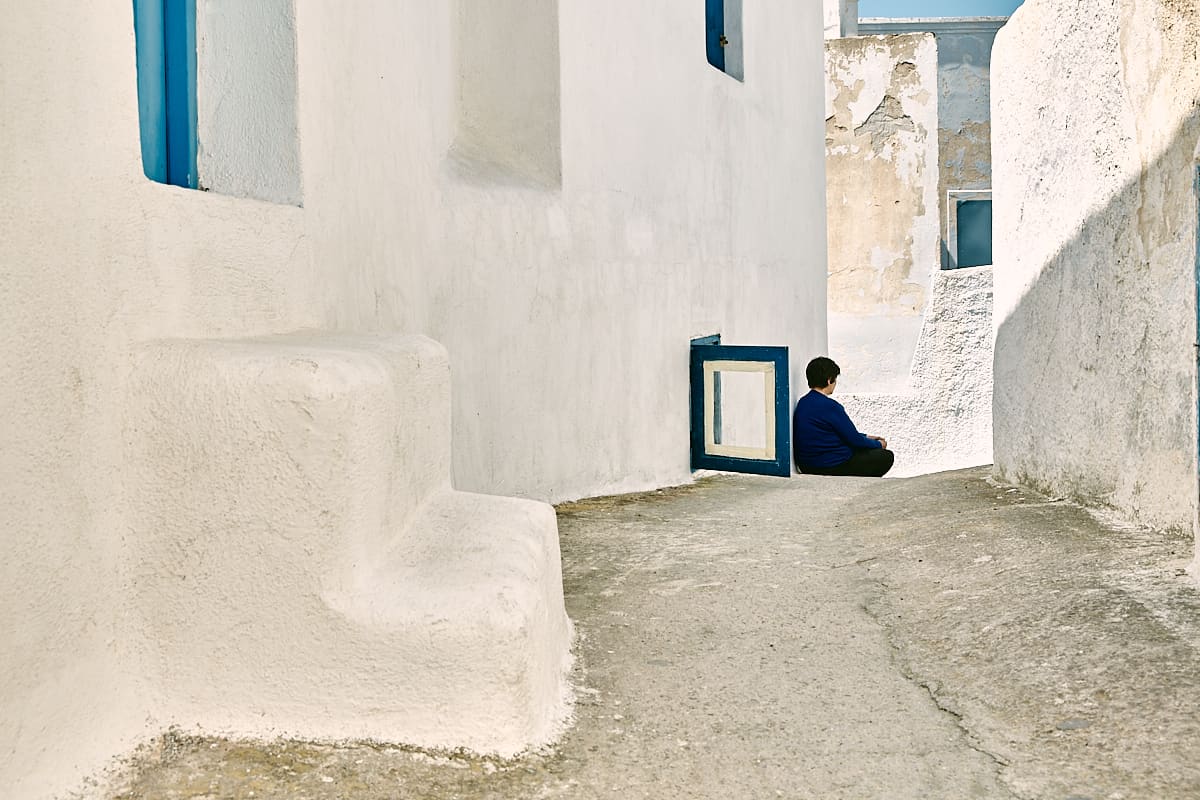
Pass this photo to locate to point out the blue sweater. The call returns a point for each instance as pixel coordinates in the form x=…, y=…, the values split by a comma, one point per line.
x=822, y=433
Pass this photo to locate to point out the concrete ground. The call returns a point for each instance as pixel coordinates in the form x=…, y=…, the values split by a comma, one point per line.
x=932, y=637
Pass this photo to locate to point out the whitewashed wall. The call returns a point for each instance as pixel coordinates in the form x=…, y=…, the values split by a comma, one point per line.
x=1095, y=150
x=96, y=258
x=689, y=203
x=881, y=152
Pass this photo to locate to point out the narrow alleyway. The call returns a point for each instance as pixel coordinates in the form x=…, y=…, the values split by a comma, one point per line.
x=933, y=637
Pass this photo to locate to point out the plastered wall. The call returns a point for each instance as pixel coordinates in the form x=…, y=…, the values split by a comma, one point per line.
x=1095, y=151
x=881, y=183
x=248, y=135
x=943, y=419
x=95, y=257
x=689, y=203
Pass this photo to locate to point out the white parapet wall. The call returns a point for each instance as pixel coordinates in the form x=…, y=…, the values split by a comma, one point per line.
x=1095, y=132
x=944, y=419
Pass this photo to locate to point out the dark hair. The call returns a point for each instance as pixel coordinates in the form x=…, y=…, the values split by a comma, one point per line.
x=820, y=371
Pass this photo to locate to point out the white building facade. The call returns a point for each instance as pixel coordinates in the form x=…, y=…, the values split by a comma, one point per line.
x=244, y=427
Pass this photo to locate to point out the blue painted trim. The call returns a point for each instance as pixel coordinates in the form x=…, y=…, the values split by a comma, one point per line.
x=151, y=87
x=165, y=41
x=714, y=29
x=179, y=45
x=713, y=339
x=782, y=464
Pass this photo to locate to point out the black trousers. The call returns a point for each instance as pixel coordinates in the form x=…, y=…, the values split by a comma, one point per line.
x=872, y=463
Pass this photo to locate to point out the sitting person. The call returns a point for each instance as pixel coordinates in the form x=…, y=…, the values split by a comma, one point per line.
x=824, y=440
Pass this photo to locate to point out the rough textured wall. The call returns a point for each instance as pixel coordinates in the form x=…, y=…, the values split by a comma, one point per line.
x=881, y=185
x=1095, y=134
x=943, y=420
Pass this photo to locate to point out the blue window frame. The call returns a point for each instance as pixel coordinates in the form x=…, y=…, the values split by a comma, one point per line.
x=165, y=36
x=771, y=454
x=723, y=36
x=714, y=28
x=974, y=233
x=968, y=239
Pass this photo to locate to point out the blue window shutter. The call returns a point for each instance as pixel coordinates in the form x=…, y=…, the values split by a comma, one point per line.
x=714, y=19
x=165, y=34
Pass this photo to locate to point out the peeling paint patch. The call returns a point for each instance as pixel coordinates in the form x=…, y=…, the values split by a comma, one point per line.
x=885, y=122
x=881, y=168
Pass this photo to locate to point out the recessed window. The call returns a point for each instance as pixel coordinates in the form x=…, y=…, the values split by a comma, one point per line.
x=723, y=36
x=217, y=96
x=969, y=229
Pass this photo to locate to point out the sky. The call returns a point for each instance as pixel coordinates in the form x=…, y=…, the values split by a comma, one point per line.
x=937, y=8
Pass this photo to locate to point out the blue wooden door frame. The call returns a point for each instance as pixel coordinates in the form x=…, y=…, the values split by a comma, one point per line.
x=701, y=354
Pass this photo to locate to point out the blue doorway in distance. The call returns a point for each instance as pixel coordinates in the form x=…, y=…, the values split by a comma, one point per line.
x=974, y=233
x=165, y=35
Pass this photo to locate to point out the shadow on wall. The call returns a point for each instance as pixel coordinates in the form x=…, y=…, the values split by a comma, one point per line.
x=1095, y=373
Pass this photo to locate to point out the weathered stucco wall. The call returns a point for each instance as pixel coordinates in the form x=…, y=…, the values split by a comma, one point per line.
x=565, y=311
x=1095, y=152
x=964, y=46
x=881, y=184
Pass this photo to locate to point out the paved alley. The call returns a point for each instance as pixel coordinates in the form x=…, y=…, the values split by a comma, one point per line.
x=931, y=637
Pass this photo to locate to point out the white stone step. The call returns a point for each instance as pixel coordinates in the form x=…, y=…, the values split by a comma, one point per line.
x=299, y=564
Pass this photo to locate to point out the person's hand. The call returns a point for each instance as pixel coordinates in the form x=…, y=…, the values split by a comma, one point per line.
x=879, y=439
